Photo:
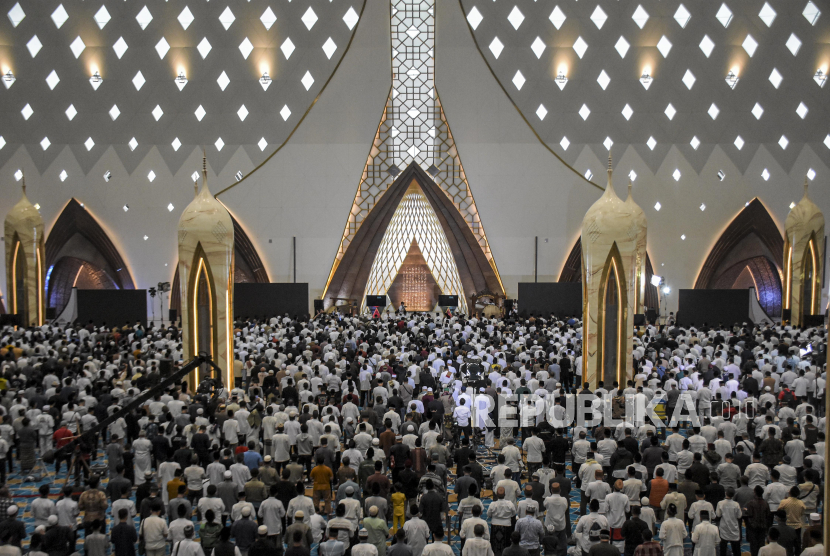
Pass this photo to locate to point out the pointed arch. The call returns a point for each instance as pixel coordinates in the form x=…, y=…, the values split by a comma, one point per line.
x=351, y=275
x=80, y=252
x=248, y=265
x=613, y=268
x=572, y=272
x=751, y=245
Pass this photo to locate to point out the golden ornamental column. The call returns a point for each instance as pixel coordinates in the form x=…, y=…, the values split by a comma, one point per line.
x=613, y=252
x=803, y=259
x=25, y=259
x=206, y=281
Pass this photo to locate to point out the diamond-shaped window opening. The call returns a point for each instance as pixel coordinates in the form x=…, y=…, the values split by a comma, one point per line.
x=170, y=207
x=783, y=142
x=351, y=18
x=811, y=174
x=262, y=144
x=151, y=176
x=802, y=110
x=89, y=143
x=682, y=16
x=44, y=143
x=309, y=18
x=200, y=113
x=640, y=16
x=657, y=206
x=176, y=144
x=827, y=141
x=564, y=143
x=707, y=45
x=627, y=112
x=739, y=142
x=603, y=80
x=285, y=113
x=474, y=18
x=144, y=18
x=580, y=47
x=608, y=143
x=651, y=144
x=133, y=144
x=185, y=18
x=519, y=80
x=59, y=16
x=307, y=80
x=713, y=111
x=757, y=111
x=765, y=174
x=242, y=113
x=670, y=111
x=689, y=79
x=194, y=176
x=268, y=18
x=138, y=81
x=223, y=80
x=811, y=13
x=157, y=112
x=622, y=46
x=114, y=112
x=632, y=175
x=775, y=78
x=496, y=47
x=120, y=47
x=584, y=112
x=219, y=144
x=77, y=46
x=664, y=46
x=102, y=17
x=329, y=48
x=27, y=111
x=724, y=15
x=599, y=17
x=750, y=45
x=557, y=17
x=793, y=44
x=287, y=48
x=204, y=47
x=226, y=18
x=538, y=47
x=52, y=80
x=16, y=15
x=695, y=142
x=71, y=112
x=676, y=174
x=162, y=47
x=245, y=47
x=767, y=14
x=34, y=45
x=516, y=17
x=63, y=175
x=541, y=112
x=589, y=174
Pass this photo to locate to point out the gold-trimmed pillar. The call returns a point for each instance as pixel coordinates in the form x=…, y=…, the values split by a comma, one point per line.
x=25, y=260
x=803, y=259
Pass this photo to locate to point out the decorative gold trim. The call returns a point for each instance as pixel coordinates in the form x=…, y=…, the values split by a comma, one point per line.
x=300, y=121
x=504, y=90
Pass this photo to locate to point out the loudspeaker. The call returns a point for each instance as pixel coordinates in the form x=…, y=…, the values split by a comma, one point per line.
x=786, y=315
x=448, y=300
x=172, y=315
x=51, y=313
x=508, y=305
x=639, y=319
x=376, y=301
x=813, y=320
x=651, y=315
x=318, y=306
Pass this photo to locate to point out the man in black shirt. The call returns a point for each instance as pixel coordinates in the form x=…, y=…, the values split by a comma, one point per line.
x=123, y=535
x=632, y=531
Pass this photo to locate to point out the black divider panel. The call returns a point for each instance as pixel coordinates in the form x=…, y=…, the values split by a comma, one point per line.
x=270, y=300
x=563, y=299
x=112, y=307
x=712, y=307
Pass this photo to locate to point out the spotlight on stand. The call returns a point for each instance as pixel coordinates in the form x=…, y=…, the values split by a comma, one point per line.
x=656, y=280
x=666, y=290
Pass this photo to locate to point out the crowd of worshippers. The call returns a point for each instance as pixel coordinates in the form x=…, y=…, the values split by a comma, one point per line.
x=382, y=419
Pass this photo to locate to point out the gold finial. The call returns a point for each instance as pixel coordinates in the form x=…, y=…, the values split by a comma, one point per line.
x=806, y=184
x=23, y=182
x=609, y=160
x=196, y=187
x=629, y=186
x=204, y=164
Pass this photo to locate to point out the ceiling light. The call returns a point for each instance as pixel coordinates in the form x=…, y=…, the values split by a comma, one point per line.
x=496, y=47
x=157, y=112
x=120, y=47
x=96, y=80
x=151, y=176
x=721, y=175
x=827, y=141
x=622, y=46
x=689, y=79
x=329, y=47
x=801, y=110
x=9, y=79
x=350, y=19
x=682, y=16
x=820, y=78
x=599, y=17
x=287, y=48
x=541, y=112
x=176, y=144
x=557, y=17
x=580, y=46
x=144, y=18
x=811, y=13
x=162, y=47
x=792, y=205
x=89, y=143
x=309, y=18
x=732, y=78
x=242, y=113
x=676, y=174
x=584, y=112
x=724, y=15
x=285, y=113
x=670, y=111
x=34, y=45
x=185, y=18
x=223, y=80
x=651, y=143
x=564, y=143
x=107, y=178
x=219, y=144
x=181, y=80
x=200, y=113
x=474, y=18
x=589, y=174
x=667, y=290
x=664, y=46
x=262, y=144
x=63, y=175
x=793, y=44
x=632, y=175
x=702, y=207
x=133, y=144
x=627, y=112
x=146, y=238
x=538, y=47
x=307, y=80
x=707, y=46
x=516, y=17
x=102, y=17
x=2, y=142
x=656, y=280
x=170, y=207
x=44, y=143
x=126, y=208
x=646, y=79
x=713, y=111
x=695, y=142
x=657, y=206
x=783, y=142
x=811, y=174
x=71, y=112
x=775, y=78
x=739, y=142
x=245, y=47
x=265, y=81
x=640, y=17
x=226, y=18
x=757, y=111
x=608, y=143
x=18, y=175
x=114, y=112
x=765, y=174
x=268, y=18
x=138, y=81
x=603, y=80
x=519, y=80
x=767, y=14
x=750, y=45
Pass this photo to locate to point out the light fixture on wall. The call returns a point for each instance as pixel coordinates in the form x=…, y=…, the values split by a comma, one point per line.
x=9, y=79
x=656, y=280
x=265, y=80
x=561, y=79
x=646, y=78
x=181, y=79
x=732, y=78
x=96, y=79
x=666, y=290
x=820, y=77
